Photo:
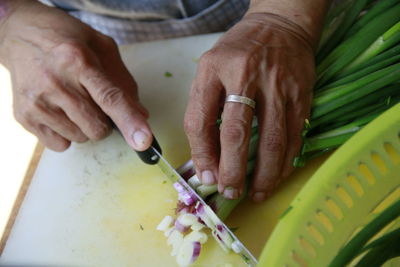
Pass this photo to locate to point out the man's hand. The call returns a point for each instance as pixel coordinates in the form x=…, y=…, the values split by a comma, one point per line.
x=269, y=59
x=68, y=79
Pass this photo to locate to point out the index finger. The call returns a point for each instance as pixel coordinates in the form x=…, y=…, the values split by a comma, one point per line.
x=201, y=124
x=121, y=104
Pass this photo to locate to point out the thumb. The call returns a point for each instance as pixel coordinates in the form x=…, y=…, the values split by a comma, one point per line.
x=122, y=105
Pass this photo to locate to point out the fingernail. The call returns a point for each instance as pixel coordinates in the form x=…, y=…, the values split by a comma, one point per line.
x=231, y=193
x=207, y=177
x=259, y=196
x=140, y=138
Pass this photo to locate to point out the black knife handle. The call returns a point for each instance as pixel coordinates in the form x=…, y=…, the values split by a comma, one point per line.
x=149, y=156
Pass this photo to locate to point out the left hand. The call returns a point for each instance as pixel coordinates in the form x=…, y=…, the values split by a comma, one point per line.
x=266, y=58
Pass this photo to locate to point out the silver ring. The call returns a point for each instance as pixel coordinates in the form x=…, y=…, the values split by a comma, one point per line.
x=241, y=99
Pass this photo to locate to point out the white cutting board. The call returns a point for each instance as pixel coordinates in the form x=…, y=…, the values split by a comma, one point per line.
x=97, y=204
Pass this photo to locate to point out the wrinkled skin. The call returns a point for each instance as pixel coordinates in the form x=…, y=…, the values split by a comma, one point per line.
x=68, y=79
x=266, y=58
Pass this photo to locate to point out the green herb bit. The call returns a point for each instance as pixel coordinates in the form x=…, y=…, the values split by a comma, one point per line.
x=168, y=74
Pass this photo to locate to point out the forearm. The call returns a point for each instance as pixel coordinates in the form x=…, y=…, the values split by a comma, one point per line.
x=308, y=14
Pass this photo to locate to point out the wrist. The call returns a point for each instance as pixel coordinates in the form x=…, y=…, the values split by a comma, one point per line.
x=268, y=22
x=304, y=16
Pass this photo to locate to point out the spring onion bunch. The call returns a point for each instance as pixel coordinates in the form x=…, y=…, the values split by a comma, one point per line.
x=358, y=78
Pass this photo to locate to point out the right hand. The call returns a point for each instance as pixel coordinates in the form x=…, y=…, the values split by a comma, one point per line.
x=68, y=79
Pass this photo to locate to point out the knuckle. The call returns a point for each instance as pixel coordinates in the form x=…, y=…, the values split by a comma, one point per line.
x=195, y=126
x=51, y=139
x=209, y=60
x=273, y=143
x=234, y=131
x=202, y=156
x=72, y=53
x=242, y=58
x=108, y=41
x=207, y=57
x=47, y=80
x=111, y=96
x=273, y=139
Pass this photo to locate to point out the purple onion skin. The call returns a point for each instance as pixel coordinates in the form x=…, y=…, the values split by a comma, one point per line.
x=196, y=251
x=181, y=228
x=179, y=188
x=192, y=195
x=187, y=198
x=220, y=228
x=220, y=239
x=200, y=209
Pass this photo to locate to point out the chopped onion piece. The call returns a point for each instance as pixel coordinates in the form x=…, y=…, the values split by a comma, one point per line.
x=186, y=198
x=225, y=237
x=175, y=240
x=169, y=231
x=188, y=253
x=200, y=211
x=179, y=188
x=210, y=213
x=237, y=247
x=197, y=226
x=187, y=219
x=165, y=223
x=197, y=236
x=220, y=242
x=180, y=227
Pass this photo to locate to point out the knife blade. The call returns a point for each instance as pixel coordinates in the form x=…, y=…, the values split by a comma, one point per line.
x=174, y=176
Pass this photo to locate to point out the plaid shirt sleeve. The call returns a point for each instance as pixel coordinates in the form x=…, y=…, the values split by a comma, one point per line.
x=218, y=15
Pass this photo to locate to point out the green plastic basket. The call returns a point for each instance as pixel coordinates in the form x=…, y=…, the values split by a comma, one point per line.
x=356, y=183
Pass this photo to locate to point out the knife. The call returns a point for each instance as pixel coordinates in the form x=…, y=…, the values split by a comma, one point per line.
x=153, y=156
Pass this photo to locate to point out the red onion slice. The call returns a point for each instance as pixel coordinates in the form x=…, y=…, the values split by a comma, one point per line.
x=196, y=251
x=180, y=227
